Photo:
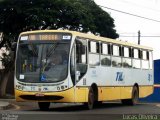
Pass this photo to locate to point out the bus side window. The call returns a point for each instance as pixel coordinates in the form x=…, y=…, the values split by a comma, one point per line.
x=94, y=50
x=105, y=54
x=127, y=62
x=81, y=51
x=116, y=50
x=145, y=60
x=116, y=58
x=136, y=58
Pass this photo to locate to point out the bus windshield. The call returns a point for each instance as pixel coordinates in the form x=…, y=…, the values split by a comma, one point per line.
x=42, y=61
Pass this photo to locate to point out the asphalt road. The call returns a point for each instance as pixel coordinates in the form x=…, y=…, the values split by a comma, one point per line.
x=106, y=111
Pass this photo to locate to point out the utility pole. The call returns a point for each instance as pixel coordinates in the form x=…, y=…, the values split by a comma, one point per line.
x=139, y=35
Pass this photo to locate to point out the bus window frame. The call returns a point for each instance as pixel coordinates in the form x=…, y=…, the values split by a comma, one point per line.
x=150, y=60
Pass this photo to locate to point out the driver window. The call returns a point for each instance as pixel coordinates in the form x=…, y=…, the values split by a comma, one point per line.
x=81, y=56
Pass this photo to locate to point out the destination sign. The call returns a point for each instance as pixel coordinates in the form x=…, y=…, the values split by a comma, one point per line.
x=46, y=36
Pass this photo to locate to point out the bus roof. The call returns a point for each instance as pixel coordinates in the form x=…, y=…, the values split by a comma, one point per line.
x=91, y=36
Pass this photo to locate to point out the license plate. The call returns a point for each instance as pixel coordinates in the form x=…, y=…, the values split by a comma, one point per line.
x=39, y=94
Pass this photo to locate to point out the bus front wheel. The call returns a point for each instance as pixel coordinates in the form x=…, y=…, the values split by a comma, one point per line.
x=44, y=105
x=134, y=99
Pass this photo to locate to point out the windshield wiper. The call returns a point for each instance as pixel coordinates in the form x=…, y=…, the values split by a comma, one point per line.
x=33, y=49
x=52, y=50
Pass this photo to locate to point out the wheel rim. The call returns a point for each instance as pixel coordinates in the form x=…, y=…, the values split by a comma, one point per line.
x=91, y=99
x=135, y=97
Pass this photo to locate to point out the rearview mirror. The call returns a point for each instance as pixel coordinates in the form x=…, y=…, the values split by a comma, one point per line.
x=13, y=46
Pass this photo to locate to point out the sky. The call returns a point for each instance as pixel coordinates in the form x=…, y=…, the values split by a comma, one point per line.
x=127, y=25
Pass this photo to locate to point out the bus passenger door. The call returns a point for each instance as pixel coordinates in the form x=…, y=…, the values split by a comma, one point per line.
x=80, y=69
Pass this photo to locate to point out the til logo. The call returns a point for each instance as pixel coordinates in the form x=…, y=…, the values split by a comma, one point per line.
x=119, y=76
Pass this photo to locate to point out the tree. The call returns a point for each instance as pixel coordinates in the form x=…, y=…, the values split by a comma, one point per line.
x=79, y=15
x=17, y=16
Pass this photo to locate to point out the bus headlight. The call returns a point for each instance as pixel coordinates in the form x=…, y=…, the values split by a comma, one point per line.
x=20, y=87
x=62, y=87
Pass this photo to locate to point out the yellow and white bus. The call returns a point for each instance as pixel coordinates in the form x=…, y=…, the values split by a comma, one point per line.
x=70, y=67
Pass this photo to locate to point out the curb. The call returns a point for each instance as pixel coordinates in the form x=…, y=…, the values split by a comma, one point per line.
x=4, y=105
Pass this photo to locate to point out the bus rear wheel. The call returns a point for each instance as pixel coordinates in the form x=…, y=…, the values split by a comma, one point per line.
x=134, y=99
x=44, y=105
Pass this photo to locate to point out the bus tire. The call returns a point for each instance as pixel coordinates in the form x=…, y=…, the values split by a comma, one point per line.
x=91, y=98
x=44, y=105
x=134, y=99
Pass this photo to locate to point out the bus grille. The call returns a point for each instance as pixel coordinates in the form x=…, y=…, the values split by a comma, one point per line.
x=33, y=97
